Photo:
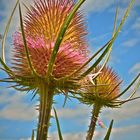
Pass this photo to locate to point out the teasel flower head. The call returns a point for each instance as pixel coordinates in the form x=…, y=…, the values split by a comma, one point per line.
x=104, y=89
x=42, y=25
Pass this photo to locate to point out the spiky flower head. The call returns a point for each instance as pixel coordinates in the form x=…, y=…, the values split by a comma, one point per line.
x=102, y=89
x=42, y=25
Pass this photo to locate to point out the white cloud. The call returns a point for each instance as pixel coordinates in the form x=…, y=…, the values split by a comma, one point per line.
x=68, y=113
x=126, y=112
x=136, y=25
x=6, y=12
x=25, y=139
x=96, y=5
x=130, y=42
x=117, y=133
x=15, y=108
x=135, y=68
x=68, y=136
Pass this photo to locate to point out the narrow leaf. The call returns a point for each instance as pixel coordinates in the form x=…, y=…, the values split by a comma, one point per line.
x=6, y=68
x=61, y=35
x=33, y=134
x=97, y=61
x=115, y=35
x=128, y=87
x=6, y=31
x=25, y=43
x=109, y=131
x=58, y=125
x=135, y=89
x=90, y=59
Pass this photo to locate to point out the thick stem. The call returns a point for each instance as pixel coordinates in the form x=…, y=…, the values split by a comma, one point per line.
x=94, y=118
x=46, y=100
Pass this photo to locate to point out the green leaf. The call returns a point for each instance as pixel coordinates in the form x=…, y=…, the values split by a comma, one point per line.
x=66, y=97
x=25, y=44
x=124, y=18
x=115, y=35
x=127, y=88
x=6, y=31
x=61, y=35
x=98, y=60
x=33, y=135
x=90, y=59
x=6, y=68
x=109, y=131
x=58, y=125
x=135, y=89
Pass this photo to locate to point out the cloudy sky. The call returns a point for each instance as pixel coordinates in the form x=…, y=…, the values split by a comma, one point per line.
x=17, y=112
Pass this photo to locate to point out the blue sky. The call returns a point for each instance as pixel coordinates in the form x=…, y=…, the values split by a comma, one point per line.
x=17, y=112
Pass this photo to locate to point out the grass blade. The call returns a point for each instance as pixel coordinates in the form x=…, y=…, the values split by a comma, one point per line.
x=128, y=87
x=58, y=125
x=5, y=67
x=109, y=131
x=33, y=134
x=25, y=43
x=6, y=31
x=97, y=61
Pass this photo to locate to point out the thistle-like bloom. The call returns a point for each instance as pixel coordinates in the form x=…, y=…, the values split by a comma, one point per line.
x=103, y=88
x=42, y=25
x=102, y=91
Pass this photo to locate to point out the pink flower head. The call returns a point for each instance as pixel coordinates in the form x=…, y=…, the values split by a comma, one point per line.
x=67, y=61
x=42, y=25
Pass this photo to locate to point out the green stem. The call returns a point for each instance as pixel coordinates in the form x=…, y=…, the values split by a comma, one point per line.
x=94, y=118
x=46, y=101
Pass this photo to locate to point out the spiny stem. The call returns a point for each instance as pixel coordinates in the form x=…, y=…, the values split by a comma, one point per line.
x=46, y=100
x=94, y=118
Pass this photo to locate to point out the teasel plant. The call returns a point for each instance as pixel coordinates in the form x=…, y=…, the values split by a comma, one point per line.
x=50, y=53
x=104, y=92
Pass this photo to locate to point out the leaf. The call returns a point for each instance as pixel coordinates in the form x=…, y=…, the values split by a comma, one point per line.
x=90, y=59
x=61, y=35
x=127, y=88
x=97, y=61
x=135, y=89
x=33, y=135
x=5, y=67
x=25, y=44
x=109, y=131
x=6, y=31
x=58, y=125
x=109, y=45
